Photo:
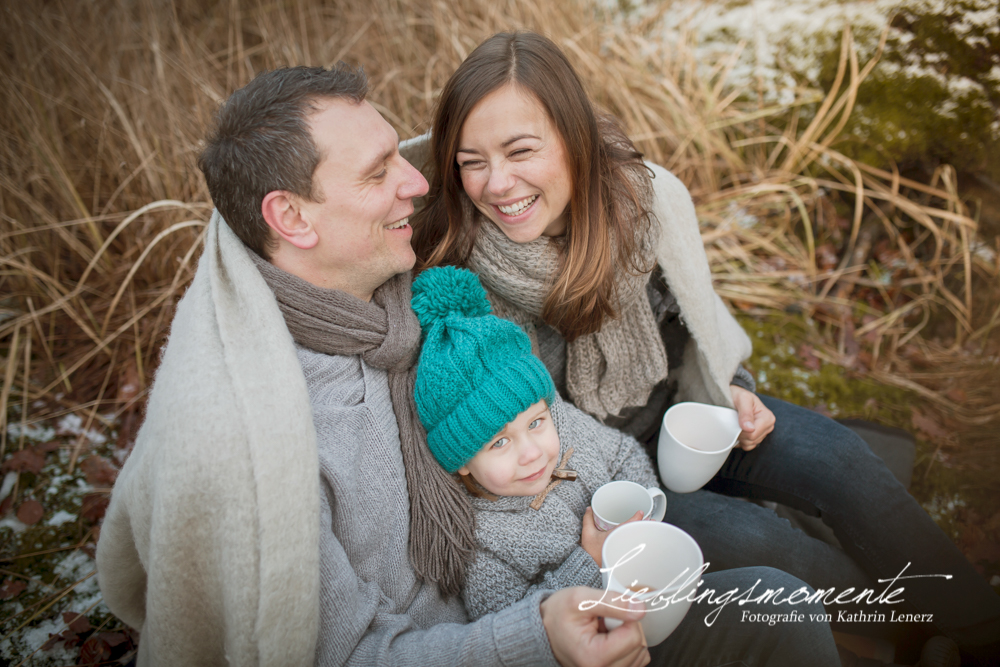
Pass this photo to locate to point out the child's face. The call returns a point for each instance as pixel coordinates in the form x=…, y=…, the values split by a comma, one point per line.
x=519, y=460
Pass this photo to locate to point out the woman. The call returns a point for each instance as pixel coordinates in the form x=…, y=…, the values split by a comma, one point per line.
x=599, y=258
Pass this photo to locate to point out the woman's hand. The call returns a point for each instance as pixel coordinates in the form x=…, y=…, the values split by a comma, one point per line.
x=755, y=419
x=592, y=538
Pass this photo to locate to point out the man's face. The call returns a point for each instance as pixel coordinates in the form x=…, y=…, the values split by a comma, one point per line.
x=365, y=190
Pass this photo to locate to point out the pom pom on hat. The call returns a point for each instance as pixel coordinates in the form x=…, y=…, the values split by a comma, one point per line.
x=476, y=371
x=444, y=290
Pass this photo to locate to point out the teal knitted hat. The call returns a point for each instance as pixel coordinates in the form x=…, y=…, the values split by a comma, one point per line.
x=476, y=372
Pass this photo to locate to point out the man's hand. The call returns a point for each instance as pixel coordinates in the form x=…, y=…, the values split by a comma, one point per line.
x=592, y=538
x=576, y=639
x=755, y=419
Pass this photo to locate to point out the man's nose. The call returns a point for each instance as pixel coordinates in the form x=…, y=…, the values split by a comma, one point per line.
x=414, y=184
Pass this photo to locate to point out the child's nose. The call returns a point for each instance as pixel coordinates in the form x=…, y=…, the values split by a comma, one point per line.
x=529, y=452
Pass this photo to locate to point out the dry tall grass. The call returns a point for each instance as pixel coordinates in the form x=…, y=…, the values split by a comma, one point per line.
x=103, y=208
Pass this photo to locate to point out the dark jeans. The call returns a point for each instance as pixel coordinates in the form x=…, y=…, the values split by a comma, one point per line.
x=815, y=465
x=743, y=635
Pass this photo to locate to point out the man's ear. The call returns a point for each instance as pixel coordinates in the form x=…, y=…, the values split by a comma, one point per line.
x=282, y=212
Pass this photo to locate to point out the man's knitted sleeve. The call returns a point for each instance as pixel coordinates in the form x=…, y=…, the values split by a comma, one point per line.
x=356, y=630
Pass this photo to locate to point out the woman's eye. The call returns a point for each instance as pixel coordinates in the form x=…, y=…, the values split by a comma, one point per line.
x=520, y=152
x=500, y=443
x=534, y=424
x=470, y=164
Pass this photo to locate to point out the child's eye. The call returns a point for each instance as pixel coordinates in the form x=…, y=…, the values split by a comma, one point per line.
x=500, y=443
x=534, y=424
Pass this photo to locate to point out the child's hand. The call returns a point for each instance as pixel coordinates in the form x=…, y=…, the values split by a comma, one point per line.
x=592, y=538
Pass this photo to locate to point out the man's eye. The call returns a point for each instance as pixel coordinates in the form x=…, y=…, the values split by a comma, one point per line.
x=500, y=443
x=534, y=424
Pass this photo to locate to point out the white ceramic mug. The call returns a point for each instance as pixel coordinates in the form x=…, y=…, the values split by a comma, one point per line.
x=694, y=443
x=616, y=502
x=662, y=558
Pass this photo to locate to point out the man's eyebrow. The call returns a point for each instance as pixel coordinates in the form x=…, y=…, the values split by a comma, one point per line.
x=503, y=145
x=373, y=166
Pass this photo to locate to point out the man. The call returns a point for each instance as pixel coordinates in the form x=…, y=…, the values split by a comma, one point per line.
x=269, y=513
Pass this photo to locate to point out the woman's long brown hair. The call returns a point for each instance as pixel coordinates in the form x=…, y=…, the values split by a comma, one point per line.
x=608, y=208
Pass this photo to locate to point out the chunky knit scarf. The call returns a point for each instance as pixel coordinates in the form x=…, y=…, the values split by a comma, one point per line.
x=607, y=371
x=385, y=333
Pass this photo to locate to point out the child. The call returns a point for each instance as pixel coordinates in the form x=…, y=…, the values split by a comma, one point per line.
x=492, y=415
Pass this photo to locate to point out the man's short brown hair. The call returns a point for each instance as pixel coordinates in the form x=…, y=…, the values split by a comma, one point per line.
x=261, y=142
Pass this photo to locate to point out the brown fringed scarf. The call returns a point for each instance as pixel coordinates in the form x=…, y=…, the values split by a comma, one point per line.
x=385, y=333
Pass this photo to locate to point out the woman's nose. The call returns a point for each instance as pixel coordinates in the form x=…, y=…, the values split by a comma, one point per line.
x=501, y=180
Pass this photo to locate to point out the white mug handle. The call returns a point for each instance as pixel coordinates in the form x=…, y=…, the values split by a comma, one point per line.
x=659, y=504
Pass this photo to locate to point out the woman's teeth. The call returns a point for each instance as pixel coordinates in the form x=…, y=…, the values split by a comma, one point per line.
x=397, y=225
x=518, y=208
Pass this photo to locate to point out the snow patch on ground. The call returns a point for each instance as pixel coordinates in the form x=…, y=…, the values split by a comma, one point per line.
x=72, y=424
x=32, y=432
x=11, y=521
x=75, y=566
x=60, y=517
x=33, y=638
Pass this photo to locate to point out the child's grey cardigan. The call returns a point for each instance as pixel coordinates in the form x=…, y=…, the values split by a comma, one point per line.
x=522, y=549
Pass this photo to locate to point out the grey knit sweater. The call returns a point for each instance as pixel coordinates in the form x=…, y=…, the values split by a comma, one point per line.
x=373, y=609
x=522, y=550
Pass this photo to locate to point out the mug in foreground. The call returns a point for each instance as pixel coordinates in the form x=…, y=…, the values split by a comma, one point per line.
x=658, y=563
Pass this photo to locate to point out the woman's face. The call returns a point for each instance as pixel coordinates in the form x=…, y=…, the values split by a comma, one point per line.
x=514, y=166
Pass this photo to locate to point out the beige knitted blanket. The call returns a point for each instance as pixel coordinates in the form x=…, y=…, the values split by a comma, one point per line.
x=221, y=493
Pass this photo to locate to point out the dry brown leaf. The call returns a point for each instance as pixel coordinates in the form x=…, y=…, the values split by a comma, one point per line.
x=11, y=589
x=26, y=460
x=99, y=471
x=93, y=507
x=956, y=395
x=77, y=623
x=128, y=385
x=30, y=512
x=809, y=359
x=930, y=427
x=94, y=651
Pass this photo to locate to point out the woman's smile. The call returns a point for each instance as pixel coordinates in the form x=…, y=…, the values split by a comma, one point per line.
x=518, y=208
